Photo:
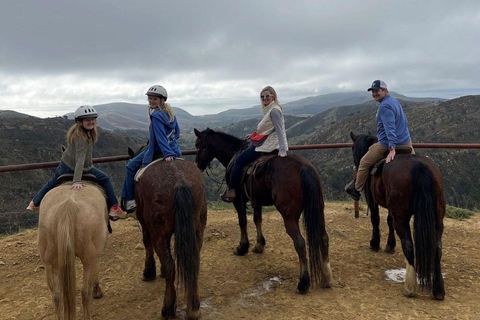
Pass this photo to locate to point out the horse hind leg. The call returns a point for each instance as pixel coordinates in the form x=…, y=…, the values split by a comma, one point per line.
x=438, y=288
x=293, y=231
x=149, y=271
x=168, y=270
x=257, y=218
x=90, y=280
x=375, y=220
x=54, y=286
x=404, y=232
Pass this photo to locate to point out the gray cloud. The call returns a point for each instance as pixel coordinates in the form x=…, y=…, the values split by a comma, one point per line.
x=59, y=53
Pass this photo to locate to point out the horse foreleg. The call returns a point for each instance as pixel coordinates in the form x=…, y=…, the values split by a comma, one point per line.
x=293, y=231
x=242, y=248
x=150, y=271
x=405, y=235
x=168, y=270
x=257, y=218
x=391, y=242
x=375, y=219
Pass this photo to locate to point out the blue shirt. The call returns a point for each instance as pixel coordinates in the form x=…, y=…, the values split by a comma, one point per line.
x=391, y=123
x=163, y=137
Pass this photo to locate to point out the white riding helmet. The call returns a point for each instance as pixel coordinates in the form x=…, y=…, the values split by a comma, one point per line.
x=157, y=91
x=85, y=112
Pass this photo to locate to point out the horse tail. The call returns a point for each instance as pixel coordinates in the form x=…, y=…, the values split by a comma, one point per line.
x=66, y=256
x=313, y=219
x=423, y=207
x=186, y=252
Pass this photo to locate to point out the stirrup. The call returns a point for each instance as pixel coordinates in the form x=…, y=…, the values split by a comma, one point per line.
x=228, y=195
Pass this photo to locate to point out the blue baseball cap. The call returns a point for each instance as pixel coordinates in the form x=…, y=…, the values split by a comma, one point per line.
x=378, y=84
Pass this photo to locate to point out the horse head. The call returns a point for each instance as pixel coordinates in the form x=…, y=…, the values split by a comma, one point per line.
x=204, y=154
x=361, y=143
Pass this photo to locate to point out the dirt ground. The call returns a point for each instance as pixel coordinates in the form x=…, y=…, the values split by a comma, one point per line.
x=256, y=286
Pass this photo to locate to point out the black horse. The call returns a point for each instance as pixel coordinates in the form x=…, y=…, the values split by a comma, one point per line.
x=410, y=185
x=292, y=184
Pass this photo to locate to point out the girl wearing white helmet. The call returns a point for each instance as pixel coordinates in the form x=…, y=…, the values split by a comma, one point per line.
x=77, y=159
x=164, y=132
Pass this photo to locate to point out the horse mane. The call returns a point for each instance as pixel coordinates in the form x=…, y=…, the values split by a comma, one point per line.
x=228, y=139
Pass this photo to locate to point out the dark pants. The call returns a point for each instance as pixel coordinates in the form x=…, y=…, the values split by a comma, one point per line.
x=102, y=179
x=246, y=157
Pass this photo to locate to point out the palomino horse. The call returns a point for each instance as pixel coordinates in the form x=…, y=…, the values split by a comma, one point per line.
x=292, y=184
x=410, y=185
x=171, y=200
x=72, y=223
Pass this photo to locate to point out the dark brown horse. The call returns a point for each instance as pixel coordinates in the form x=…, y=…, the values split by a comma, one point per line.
x=410, y=185
x=292, y=184
x=170, y=200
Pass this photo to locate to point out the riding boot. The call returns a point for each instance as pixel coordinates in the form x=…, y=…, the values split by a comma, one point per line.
x=228, y=195
x=350, y=189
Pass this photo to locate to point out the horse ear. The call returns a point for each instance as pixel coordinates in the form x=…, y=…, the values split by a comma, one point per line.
x=197, y=133
x=353, y=136
x=131, y=154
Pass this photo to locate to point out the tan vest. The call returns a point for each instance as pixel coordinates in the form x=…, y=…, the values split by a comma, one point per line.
x=266, y=126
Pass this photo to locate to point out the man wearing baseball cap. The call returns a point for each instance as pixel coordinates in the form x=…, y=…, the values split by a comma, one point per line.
x=392, y=132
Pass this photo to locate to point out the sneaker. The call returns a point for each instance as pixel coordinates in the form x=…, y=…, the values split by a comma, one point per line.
x=31, y=207
x=131, y=205
x=228, y=195
x=350, y=189
x=116, y=213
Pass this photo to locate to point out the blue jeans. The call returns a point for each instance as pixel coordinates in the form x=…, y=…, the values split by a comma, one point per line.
x=128, y=190
x=102, y=179
x=246, y=157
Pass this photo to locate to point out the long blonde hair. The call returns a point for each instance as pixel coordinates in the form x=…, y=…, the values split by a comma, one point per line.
x=162, y=105
x=78, y=130
x=274, y=93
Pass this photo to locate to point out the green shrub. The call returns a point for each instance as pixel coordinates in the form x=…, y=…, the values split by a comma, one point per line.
x=458, y=213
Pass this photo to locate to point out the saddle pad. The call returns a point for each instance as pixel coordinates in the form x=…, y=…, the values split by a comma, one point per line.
x=254, y=166
x=140, y=172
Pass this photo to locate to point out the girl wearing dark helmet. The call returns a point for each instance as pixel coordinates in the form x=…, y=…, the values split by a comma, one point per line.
x=77, y=159
x=164, y=132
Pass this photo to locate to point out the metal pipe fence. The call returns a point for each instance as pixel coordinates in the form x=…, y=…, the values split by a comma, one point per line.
x=44, y=165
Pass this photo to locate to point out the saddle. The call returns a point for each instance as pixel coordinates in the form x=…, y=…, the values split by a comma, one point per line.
x=376, y=170
x=255, y=169
x=140, y=171
x=68, y=177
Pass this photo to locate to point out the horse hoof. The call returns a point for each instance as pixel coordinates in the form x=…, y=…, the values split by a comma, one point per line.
x=257, y=250
x=147, y=279
x=168, y=313
x=376, y=249
x=239, y=253
x=389, y=249
x=97, y=294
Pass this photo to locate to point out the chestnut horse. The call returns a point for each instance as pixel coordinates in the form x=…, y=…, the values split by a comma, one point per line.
x=410, y=185
x=293, y=185
x=171, y=200
x=72, y=223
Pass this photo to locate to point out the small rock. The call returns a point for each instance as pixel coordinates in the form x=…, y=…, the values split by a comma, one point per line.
x=2, y=263
x=39, y=268
x=139, y=246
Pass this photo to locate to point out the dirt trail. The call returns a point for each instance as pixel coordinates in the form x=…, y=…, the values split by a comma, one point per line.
x=257, y=286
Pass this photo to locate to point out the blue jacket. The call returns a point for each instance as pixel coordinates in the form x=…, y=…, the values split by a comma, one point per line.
x=391, y=123
x=163, y=137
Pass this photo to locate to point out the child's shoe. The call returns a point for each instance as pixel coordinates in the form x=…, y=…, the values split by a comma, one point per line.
x=31, y=207
x=116, y=213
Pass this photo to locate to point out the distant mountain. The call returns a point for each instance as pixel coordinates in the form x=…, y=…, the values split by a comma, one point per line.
x=121, y=116
x=8, y=114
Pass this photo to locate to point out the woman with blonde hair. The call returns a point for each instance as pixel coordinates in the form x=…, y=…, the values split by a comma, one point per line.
x=164, y=132
x=77, y=159
x=271, y=129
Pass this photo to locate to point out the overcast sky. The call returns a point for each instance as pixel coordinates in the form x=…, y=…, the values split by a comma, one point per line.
x=56, y=55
